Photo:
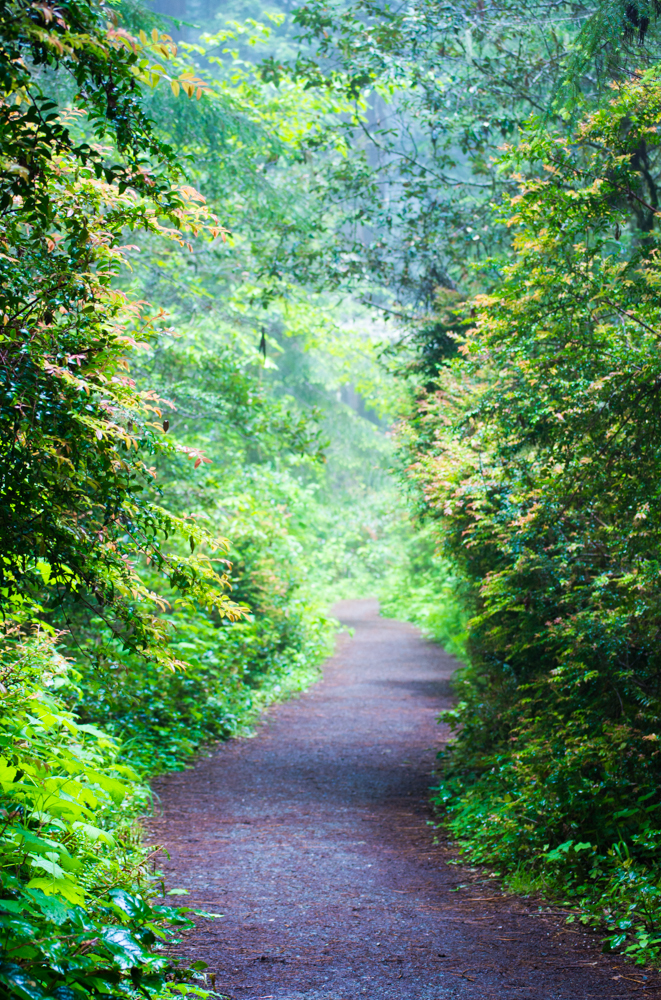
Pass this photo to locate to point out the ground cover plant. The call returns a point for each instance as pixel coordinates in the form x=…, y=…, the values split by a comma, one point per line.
x=78, y=911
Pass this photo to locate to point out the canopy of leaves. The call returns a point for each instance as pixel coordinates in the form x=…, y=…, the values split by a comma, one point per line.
x=436, y=90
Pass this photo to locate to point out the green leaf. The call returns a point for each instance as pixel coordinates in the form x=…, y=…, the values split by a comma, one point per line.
x=126, y=951
x=68, y=889
x=20, y=983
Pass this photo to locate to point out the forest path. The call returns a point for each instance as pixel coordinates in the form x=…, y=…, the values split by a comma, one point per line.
x=312, y=839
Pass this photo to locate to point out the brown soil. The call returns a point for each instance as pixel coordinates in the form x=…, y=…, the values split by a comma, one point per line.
x=313, y=840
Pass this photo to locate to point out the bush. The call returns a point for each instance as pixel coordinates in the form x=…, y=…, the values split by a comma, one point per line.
x=426, y=590
x=540, y=464
x=77, y=910
x=231, y=672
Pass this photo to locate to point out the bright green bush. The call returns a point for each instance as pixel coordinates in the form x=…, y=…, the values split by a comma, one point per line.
x=569, y=808
x=77, y=904
x=231, y=672
x=425, y=590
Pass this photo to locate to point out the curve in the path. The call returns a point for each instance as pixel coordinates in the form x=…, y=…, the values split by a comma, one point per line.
x=313, y=840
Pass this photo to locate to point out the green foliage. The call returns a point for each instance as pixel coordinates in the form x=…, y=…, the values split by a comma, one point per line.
x=76, y=895
x=424, y=589
x=78, y=499
x=568, y=808
x=230, y=670
x=539, y=460
x=74, y=39
x=436, y=90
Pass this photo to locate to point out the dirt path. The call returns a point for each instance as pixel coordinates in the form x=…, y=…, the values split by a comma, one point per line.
x=312, y=840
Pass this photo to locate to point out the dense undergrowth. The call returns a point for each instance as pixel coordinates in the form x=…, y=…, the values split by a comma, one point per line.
x=231, y=673
x=426, y=591
x=78, y=907
x=537, y=458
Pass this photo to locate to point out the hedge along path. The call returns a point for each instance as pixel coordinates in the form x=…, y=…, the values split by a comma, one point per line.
x=313, y=840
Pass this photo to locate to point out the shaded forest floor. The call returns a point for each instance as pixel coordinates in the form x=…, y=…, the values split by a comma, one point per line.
x=313, y=841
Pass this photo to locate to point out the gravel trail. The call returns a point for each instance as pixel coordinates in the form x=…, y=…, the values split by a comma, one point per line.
x=313, y=840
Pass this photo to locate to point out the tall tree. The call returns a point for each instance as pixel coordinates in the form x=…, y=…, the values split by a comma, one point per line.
x=79, y=505
x=436, y=91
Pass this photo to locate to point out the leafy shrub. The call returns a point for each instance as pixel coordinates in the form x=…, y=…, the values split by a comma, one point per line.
x=540, y=465
x=571, y=810
x=425, y=590
x=231, y=672
x=78, y=503
x=76, y=906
